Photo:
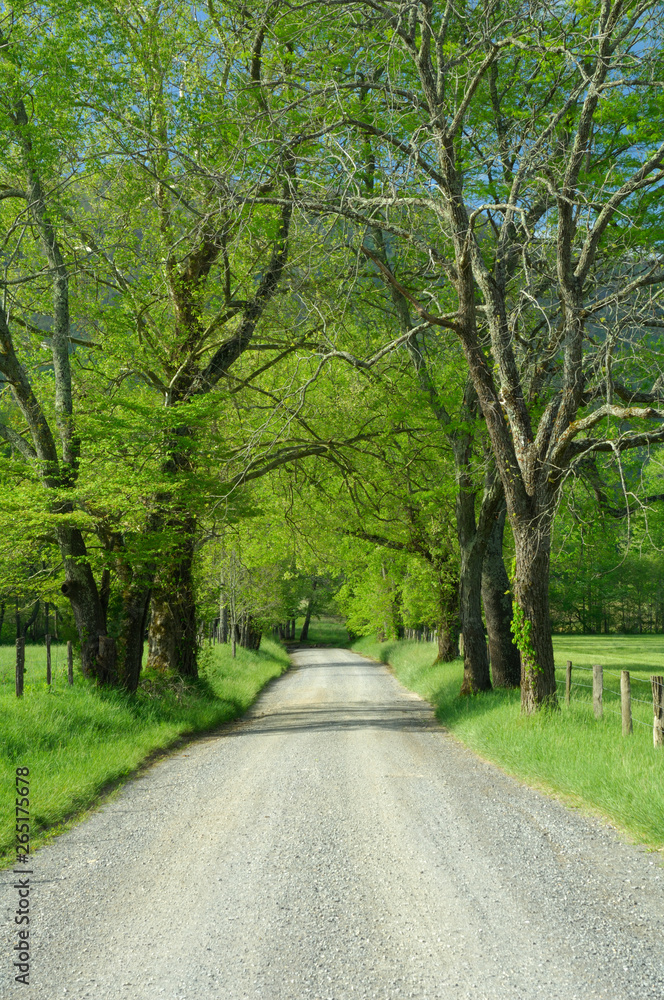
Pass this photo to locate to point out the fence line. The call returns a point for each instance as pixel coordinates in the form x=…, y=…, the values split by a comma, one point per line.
x=431, y=635
x=616, y=673
x=52, y=664
x=625, y=695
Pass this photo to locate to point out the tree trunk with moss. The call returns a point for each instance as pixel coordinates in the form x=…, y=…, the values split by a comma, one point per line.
x=532, y=624
x=172, y=638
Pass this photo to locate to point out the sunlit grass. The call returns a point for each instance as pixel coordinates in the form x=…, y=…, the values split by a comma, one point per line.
x=78, y=740
x=642, y=653
x=325, y=630
x=569, y=751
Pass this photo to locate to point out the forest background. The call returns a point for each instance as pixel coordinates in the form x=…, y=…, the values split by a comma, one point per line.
x=345, y=305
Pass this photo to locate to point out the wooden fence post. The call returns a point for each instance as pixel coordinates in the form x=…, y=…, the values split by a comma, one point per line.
x=70, y=662
x=658, y=709
x=568, y=682
x=48, y=660
x=20, y=665
x=598, y=684
x=626, y=702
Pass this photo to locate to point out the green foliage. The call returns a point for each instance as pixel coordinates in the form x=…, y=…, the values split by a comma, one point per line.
x=521, y=628
x=607, y=571
x=165, y=160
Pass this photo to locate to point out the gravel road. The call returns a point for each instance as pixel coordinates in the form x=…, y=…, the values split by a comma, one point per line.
x=338, y=844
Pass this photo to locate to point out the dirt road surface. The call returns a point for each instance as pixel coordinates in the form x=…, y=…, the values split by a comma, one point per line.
x=338, y=844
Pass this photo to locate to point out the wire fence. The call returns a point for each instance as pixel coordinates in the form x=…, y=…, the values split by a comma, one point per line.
x=619, y=694
x=631, y=710
x=48, y=663
x=598, y=689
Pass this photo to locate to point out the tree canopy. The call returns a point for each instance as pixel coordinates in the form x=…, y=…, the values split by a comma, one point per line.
x=359, y=295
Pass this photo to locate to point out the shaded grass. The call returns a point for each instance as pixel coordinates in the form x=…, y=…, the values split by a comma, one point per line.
x=78, y=741
x=568, y=752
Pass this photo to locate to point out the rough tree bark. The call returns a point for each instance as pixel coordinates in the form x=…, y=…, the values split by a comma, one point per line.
x=172, y=642
x=133, y=620
x=448, y=623
x=476, y=676
x=533, y=553
x=497, y=600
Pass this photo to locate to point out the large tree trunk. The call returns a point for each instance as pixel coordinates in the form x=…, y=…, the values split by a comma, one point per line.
x=304, y=633
x=448, y=624
x=133, y=617
x=81, y=590
x=223, y=624
x=532, y=538
x=97, y=657
x=504, y=655
x=172, y=638
x=250, y=633
x=476, y=675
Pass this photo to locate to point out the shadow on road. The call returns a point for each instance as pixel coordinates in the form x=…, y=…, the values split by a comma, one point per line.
x=337, y=716
x=330, y=660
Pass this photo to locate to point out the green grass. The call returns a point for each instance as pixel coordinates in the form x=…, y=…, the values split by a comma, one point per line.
x=568, y=752
x=328, y=631
x=643, y=653
x=78, y=741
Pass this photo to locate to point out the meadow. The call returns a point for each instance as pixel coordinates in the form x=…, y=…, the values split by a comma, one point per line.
x=325, y=631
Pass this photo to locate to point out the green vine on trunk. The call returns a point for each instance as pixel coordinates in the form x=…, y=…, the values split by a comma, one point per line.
x=521, y=627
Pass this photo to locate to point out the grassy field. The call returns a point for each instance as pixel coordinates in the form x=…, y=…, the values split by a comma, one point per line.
x=78, y=741
x=568, y=752
x=328, y=631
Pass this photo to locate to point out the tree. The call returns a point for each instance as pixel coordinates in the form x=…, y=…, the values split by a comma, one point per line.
x=479, y=527
x=542, y=217
x=35, y=160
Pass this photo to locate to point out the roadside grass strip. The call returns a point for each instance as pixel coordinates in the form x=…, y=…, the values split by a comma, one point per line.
x=569, y=752
x=80, y=741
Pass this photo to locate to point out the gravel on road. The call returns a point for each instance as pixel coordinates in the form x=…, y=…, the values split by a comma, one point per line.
x=335, y=844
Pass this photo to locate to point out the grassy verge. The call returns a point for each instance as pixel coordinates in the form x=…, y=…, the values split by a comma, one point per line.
x=78, y=741
x=568, y=752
